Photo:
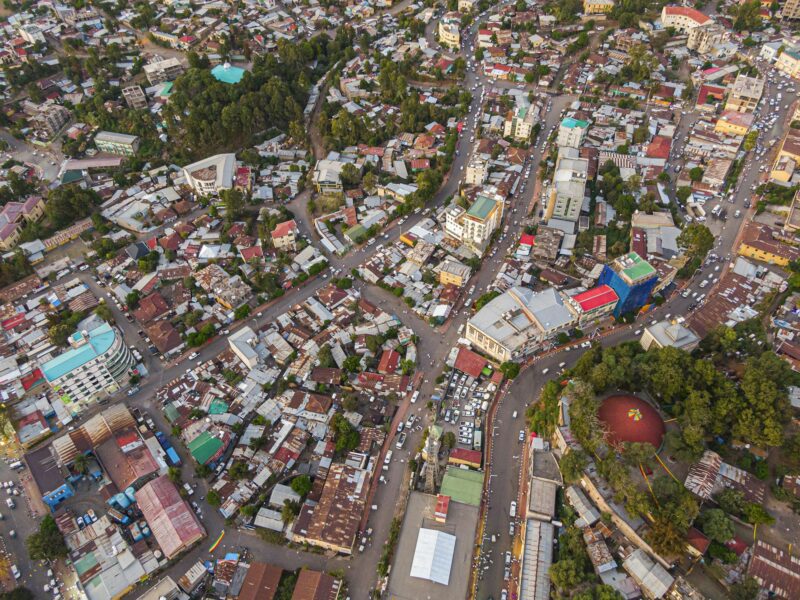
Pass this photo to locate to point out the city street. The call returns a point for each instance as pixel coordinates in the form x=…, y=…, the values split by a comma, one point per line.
x=434, y=344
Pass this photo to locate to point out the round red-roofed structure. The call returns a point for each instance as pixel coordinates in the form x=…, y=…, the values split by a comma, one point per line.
x=628, y=418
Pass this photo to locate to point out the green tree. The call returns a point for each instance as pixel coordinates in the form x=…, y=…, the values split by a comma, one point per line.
x=449, y=440
x=716, y=525
x=174, y=474
x=697, y=239
x=48, y=542
x=345, y=436
x=301, y=485
x=745, y=590
x=572, y=465
x=81, y=464
x=213, y=499
x=696, y=173
x=289, y=511
x=510, y=369
x=103, y=311
x=352, y=364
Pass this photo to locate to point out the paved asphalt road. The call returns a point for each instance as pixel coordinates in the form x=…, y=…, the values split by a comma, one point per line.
x=504, y=471
x=432, y=342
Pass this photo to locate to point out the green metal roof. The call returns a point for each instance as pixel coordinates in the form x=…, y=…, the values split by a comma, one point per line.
x=634, y=267
x=463, y=485
x=171, y=412
x=571, y=123
x=481, y=208
x=203, y=447
x=218, y=407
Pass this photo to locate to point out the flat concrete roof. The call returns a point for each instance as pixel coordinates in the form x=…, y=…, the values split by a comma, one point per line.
x=462, y=521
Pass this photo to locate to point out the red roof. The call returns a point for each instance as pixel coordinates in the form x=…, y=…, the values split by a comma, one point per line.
x=390, y=360
x=251, y=253
x=710, y=90
x=442, y=506
x=283, y=229
x=639, y=241
x=602, y=295
x=466, y=455
x=659, y=147
x=470, y=363
x=682, y=11
x=526, y=240
x=697, y=540
x=31, y=379
x=14, y=321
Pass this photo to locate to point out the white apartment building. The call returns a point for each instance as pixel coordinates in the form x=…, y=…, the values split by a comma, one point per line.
x=571, y=133
x=519, y=123
x=474, y=227
x=212, y=174
x=477, y=171
x=569, y=185
x=95, y=366
x=517, y=322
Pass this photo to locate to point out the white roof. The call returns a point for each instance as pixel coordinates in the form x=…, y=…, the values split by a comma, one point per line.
x=433, y=556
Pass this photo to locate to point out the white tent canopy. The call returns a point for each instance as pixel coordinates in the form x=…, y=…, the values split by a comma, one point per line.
x=433, y=556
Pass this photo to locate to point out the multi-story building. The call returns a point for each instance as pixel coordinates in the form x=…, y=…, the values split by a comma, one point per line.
x=50, y=118
x=594, y=304
x=734, y=123
x=327, y=176
x=597, y=7
x=745, y=94
x=284, y=235
x=477, y=171
x=134, y=96
x=519, y=123
x=517, y=322
x=453, y=271
x=704, y=39
x=789, y=63
x=97, y=363
x=450, y=30
x=763, y=243
x=571, y=133
x=569, y=185
x=633, y=280
x=790, y=10
x=474, y=227
x=13, y=218
x=212, y=174
x=163, y=70
x=788, y=157
x=116, y=143
x=682, y=18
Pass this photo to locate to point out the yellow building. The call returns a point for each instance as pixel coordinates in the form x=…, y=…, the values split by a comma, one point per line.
x=14, y=217
x=597, y=7
x=453, y=271
x=734, y=123
x=789, y=63
x=449, y=34
x=788, y=157
x=760, y=242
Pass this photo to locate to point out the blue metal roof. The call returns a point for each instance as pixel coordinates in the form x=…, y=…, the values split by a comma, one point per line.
x=99, y=341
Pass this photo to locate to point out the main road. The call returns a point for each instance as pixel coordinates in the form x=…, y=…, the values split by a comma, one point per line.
x=504, y=470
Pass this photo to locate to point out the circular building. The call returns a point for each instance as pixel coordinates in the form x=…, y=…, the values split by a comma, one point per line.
x=628, y=418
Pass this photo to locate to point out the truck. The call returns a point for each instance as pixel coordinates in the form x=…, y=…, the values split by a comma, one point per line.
x=188, y=488
x=172, y=455
x=118, y=516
